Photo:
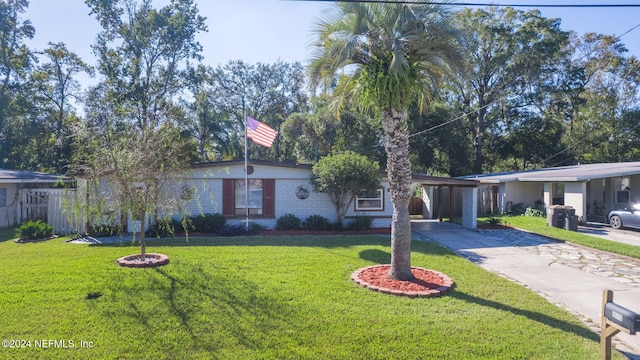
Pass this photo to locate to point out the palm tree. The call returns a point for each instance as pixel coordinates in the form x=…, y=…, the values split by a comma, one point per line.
x=386, y=56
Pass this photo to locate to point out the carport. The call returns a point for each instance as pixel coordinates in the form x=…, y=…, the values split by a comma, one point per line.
x=433, y=184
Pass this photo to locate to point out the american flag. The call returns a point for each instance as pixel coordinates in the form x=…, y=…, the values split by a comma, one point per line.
x=260, y=133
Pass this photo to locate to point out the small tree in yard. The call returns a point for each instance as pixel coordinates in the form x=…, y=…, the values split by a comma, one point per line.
x=343, y=176
x=130, y=146
x=129, y=174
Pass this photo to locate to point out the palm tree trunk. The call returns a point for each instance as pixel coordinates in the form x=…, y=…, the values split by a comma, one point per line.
x=396, y=133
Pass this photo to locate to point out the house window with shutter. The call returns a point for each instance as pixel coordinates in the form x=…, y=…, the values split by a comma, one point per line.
x=254, y=199
x=259, y=200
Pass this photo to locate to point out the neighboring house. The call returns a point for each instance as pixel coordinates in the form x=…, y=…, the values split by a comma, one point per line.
x=277, y=189
x=591, y=189
x=27, y=195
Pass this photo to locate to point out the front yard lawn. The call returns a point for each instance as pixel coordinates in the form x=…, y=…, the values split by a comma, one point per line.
x=267, y=298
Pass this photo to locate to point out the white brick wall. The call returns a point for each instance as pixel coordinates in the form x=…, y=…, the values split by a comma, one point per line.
x=207, y=186
x=288, y=203
x=208, y=196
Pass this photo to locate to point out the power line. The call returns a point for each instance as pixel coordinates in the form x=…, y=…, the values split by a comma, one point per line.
x=613, y=137
x=460, y=117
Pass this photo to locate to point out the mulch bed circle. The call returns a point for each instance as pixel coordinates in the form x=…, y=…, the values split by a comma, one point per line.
x=25, y=241
x=151, y=260
x=426, y=283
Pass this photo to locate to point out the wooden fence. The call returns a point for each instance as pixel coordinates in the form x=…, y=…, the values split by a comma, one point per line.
x=444, y=205
x=56, y=207
x=415, y=206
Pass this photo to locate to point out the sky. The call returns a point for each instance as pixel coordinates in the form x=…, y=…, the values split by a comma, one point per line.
x=268, y=30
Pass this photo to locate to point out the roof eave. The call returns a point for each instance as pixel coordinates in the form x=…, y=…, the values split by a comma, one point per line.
x=551, y=179
x=31, y=181
x=442, y=181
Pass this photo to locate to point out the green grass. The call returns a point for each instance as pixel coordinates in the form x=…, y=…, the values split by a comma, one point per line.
x=269, y=298
x=7, y=234
x=538, y=225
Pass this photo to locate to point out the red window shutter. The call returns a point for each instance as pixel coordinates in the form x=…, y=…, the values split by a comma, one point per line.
x=228, y=197
x=269, y=197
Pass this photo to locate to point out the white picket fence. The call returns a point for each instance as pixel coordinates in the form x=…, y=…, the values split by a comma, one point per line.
x=57, y=207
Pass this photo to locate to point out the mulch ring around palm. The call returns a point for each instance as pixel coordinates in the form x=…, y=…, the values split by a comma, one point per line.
x=426, y=283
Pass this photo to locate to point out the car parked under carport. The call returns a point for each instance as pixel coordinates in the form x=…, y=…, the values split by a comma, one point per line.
x=625, y=217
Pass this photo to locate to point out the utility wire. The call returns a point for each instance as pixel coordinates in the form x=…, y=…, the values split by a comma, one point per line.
x=613, y=138
x=593, y=147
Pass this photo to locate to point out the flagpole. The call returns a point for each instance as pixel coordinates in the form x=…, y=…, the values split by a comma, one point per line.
x=246, y=168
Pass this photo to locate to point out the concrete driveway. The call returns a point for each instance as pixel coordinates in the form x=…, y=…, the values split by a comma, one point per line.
x=572, y=277
x=626, y=236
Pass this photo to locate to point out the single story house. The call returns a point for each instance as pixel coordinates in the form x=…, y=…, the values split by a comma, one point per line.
x=591, y=189
x=28, y=195
x=276, y=189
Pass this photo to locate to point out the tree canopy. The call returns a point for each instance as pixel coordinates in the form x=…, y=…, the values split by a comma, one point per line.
x=522, y=93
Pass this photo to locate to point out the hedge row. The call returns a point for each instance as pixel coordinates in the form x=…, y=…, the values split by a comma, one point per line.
x=317, y=222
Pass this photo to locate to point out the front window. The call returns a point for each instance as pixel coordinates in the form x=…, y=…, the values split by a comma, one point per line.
x=623, y=189
x=557, y=193
x=622, y=197
x=371, y=200
x=254, y=199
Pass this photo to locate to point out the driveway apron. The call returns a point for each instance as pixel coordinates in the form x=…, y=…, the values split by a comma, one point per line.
x=570, y=276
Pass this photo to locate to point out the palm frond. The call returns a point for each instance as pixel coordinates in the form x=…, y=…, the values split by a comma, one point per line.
x=395, y=53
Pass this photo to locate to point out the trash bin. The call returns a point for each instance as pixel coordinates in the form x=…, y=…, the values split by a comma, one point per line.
x=556, y=215
x=563, y=217
x=551, y=212
x=571, y=222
